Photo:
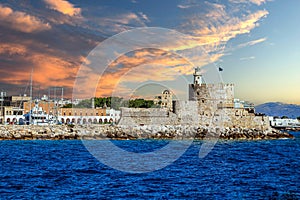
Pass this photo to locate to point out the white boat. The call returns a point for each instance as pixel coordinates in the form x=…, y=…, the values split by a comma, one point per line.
x=37, y=116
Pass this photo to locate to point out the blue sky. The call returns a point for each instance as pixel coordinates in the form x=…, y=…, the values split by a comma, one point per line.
x=256, y=42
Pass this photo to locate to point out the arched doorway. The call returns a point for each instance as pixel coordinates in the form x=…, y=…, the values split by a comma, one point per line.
x=21, y=121
x=100, y=121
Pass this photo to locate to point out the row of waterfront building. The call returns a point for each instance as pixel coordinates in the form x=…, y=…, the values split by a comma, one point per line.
x=21, y=110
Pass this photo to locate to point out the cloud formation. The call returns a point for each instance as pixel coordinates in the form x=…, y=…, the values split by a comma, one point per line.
x=49, y=69
x=57, y=54
x=21, y=21
x=208, y=34
x=251, y=43
x=257, y=2
x=248, y=58
x=63, y=6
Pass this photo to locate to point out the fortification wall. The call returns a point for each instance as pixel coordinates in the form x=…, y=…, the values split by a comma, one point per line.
x=186, y=112
x=150, y=116
x=240, y=118
x=194, y=113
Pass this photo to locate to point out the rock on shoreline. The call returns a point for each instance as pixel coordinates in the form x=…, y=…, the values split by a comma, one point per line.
x=64, y=132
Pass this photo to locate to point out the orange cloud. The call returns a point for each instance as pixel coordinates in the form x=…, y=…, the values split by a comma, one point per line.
x=143, y=65
x=12, y=49
x=223, y=32
x=63, y=7
x=207, y=35
x=203, y=47
x=135, y=68
x=157, y=65
x=21, y=21
x=49, y=70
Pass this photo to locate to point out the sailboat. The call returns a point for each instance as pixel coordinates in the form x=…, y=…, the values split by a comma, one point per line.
x=36, y=115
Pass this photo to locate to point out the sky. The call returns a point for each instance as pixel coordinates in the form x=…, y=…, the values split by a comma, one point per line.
x=255, y=42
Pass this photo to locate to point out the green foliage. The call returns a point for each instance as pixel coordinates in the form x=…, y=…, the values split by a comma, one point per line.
x=69, y=105
x=298, y=118
x=141, y=103
x=86, y=103
x=114, y=102
x=284, y=117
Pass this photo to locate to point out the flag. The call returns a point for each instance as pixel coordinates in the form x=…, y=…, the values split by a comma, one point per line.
x=220, y=69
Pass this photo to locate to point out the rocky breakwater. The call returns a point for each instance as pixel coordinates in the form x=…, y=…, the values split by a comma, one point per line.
x=60, y=132
x=25, y=132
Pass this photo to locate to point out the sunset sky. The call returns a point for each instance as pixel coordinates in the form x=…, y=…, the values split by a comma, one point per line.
x=256, y=42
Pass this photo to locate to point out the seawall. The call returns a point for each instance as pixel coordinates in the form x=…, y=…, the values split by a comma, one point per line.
x=179, y=132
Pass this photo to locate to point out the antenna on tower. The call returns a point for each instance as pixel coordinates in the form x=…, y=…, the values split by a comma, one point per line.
x=30, y=112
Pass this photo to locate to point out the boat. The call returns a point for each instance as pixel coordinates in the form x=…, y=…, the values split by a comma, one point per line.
x=37, y=116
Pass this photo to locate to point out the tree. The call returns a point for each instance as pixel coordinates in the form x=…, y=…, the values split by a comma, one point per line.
x=86, y=103
x=116, y=103
x=298, y=118
x=69, y=105
x=140, y=103
x=113, y=102
x=284, y=117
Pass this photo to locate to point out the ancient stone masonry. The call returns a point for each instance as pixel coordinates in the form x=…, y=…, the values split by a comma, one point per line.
x=209, y=105
x=143, y=116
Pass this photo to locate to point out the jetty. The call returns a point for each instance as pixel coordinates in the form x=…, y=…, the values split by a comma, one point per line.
x=103, y=132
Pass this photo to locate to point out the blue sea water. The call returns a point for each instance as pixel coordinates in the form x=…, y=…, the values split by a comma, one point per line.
x=232, y=170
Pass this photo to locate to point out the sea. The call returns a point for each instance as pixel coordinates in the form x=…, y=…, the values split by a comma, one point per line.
x=65, y=169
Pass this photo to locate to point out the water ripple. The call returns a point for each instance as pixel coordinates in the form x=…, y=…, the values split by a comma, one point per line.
x=233, y=170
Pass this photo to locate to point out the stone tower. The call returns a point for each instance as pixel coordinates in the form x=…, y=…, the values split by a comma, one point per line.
x=197, y=76
x=165, y=100
x=211, y=98
x=194, y=89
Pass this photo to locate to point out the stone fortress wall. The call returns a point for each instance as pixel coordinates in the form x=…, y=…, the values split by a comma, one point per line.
x=209, y=105
x=144, y=116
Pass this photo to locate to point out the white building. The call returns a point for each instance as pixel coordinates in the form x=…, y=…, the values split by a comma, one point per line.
x=284, y=123
x=113, y=114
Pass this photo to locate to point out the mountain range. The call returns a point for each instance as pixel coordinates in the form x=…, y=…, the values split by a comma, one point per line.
x=279, y=109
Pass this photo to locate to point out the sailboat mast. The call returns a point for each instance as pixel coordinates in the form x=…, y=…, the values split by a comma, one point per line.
x=30, y=96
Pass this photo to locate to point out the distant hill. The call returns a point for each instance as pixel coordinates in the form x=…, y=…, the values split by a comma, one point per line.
x=279, y=109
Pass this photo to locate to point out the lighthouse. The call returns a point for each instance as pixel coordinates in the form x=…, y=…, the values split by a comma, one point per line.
x=197, y=76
